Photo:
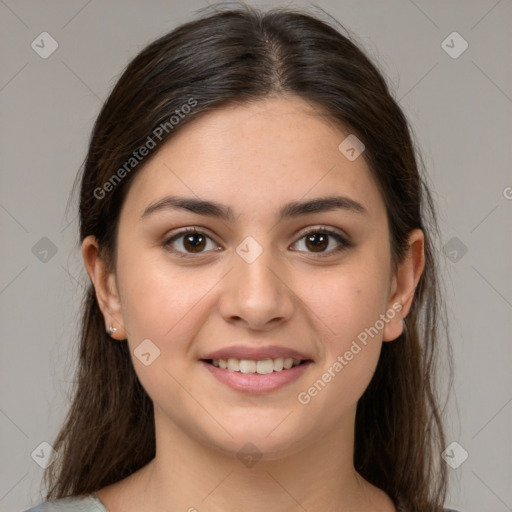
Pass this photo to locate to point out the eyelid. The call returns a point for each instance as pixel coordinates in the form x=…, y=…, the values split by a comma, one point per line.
x=324, y=228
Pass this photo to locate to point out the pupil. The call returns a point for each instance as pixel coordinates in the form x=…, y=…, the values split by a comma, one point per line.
x=318, y=243
x=189, y=240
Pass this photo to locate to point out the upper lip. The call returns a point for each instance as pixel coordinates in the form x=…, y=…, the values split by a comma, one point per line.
x=256, y=353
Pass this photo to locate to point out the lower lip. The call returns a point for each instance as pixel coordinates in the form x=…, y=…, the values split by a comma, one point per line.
x=254, y=382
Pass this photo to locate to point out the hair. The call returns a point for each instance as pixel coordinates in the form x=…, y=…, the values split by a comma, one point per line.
x=235, y=56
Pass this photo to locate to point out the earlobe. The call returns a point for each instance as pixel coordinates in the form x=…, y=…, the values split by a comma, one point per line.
x=105, y=286
x=404, y=285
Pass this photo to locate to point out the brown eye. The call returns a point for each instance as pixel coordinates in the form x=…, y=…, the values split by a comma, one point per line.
x=191, y=241
x=319, y=241
x=188, y=242
x=194, y=242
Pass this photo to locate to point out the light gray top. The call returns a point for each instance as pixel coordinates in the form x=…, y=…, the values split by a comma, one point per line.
x=86, y=503
x=92, y=503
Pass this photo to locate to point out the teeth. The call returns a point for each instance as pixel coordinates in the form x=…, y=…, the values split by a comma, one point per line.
x=234, y=365
x=261, y=367
x=247, y=366
x=265, y=366
x=278, y=364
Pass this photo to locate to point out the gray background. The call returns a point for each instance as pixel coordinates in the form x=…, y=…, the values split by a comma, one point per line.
x=460, y=109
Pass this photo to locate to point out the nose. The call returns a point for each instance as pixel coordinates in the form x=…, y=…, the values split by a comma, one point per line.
x=256, y=294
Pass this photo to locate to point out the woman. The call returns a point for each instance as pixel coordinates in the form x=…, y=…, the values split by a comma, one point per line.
x=261, y=328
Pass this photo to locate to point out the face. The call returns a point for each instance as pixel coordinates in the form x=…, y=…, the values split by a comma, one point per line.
x=311, y=285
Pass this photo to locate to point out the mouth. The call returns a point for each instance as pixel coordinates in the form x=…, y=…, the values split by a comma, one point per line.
x=260, y=367
x=259, y=376
x=256, y=369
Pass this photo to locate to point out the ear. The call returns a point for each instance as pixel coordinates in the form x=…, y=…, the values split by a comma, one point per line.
x=105, y=285
x=403, y=284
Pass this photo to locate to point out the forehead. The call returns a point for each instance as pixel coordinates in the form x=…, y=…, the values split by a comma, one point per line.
x=255, y=157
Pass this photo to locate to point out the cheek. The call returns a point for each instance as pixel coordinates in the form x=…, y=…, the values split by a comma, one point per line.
x=350, y=299
x=348, y=305
x=162, y=304
x=157, y=299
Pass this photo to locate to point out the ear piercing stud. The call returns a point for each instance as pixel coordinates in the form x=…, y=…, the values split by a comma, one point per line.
x=111, y=330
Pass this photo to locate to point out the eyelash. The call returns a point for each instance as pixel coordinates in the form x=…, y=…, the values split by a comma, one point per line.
x=344, y=243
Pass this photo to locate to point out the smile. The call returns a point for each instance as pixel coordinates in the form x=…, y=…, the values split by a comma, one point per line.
x=256, y=377
x=262, y=367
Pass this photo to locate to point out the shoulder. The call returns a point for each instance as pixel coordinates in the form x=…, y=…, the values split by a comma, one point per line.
x=85, y=503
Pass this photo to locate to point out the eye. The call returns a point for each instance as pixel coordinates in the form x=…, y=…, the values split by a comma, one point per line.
x=193, y=242
x=318, y=240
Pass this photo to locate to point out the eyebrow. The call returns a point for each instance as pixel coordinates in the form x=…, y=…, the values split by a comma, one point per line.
x=289, y=210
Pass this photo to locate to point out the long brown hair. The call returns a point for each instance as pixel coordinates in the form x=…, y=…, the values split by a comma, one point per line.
x=233, y=56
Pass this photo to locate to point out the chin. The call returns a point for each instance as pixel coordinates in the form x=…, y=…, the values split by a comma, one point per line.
x=265, y=442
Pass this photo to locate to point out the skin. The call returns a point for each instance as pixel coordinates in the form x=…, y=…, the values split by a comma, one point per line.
x=253, y=158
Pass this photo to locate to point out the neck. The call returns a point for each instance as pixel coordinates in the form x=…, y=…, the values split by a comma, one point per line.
x=188, y=474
